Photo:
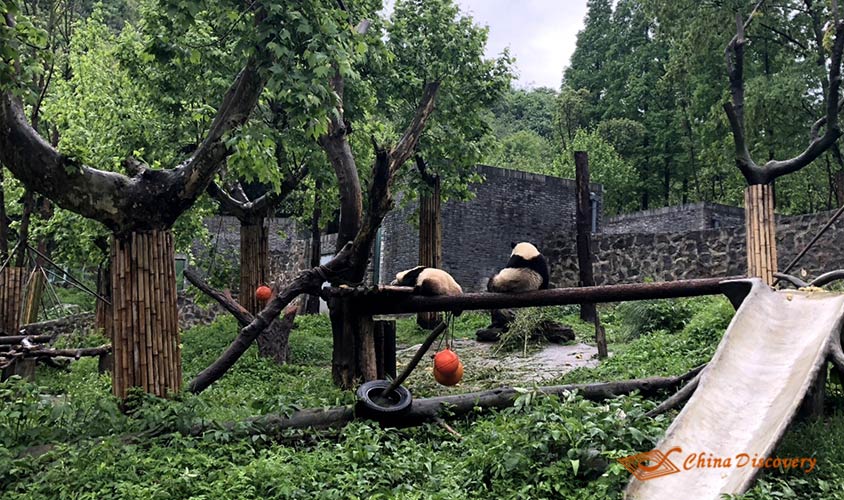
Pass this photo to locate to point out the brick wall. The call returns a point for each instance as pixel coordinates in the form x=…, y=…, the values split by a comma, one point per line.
x=509, y=206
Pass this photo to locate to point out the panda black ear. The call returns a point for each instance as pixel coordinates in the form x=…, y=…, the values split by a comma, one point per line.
x=512, y=244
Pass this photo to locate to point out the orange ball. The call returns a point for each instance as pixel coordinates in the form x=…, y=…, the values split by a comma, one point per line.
x=263, y=293
x=449, y=380
x=446, y=361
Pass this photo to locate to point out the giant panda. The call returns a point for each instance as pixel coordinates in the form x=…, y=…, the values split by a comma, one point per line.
x=527, y=270
x=429, y=281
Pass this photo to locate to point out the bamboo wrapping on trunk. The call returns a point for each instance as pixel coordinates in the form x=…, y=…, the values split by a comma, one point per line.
x=760, y=227
x=34, y=289
x=144, y=319
x=254, y=260
x=12, y=280
x=430, y=241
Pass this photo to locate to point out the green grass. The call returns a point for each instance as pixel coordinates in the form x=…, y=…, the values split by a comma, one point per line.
x=541, y=448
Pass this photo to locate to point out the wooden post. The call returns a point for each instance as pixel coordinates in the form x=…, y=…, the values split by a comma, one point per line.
x=145, y=323
x=385, y=348
x=344, y=346
x=760, y=227
x=430, y=240
x=12, y=279
x=367, y=368
x=584, y=231
x=254, y=262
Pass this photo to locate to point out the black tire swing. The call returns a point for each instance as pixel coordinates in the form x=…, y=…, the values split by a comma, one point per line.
x=381, y=399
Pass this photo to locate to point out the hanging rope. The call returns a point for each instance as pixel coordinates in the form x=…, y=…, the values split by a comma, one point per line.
x=214, y=249
x=65, y=275
x=6, y=262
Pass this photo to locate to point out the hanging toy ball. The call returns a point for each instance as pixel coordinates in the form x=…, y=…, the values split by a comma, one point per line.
x=263, y=293
x=449, y=380
x=446, y=361
x=448, y=370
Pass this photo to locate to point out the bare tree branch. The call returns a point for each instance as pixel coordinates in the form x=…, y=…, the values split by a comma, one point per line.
x=785, y=35
x=336, y=146
x=120, y=202
x=407, y=144
x=764, y=174
x=242, y=316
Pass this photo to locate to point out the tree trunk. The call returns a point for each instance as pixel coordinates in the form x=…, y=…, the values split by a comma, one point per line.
x=430, y=241
x=838, y=183
x=145, y=323
x=4, y=222
x=254, y=262
x=274, y=341
x=12, y=279
x=254, y=272
x=312, y=301
x=761, y=231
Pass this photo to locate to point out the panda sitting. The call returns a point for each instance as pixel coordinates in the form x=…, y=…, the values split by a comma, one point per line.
x=527, y=270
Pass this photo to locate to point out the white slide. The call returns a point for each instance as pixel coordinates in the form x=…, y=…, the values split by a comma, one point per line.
x=747, y=396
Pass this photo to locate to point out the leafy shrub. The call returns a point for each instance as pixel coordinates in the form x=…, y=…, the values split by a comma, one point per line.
x=641, y=317
x=663, y=352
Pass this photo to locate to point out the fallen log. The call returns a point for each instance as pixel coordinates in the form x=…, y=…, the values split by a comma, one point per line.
x=430, y=409
x=677, y=399
x=68, y=353
x=38, y=353
x=18, y=339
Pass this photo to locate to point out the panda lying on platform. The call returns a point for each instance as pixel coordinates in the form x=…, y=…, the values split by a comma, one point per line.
x=527, y=270
x=428, y=281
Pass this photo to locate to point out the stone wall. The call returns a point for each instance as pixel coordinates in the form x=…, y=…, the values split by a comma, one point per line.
x=634, y=258
x=693, y=217
x=289, y=247
x=510, y=206
x=192, y=314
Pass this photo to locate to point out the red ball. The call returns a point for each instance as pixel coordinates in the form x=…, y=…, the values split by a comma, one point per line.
x=446, y=362
x=452, y=379
x=263, y=293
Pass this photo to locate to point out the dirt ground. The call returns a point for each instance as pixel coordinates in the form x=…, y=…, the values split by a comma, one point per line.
x=483, y=368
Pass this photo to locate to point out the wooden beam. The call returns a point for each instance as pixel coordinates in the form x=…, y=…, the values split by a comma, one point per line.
x=395, y=304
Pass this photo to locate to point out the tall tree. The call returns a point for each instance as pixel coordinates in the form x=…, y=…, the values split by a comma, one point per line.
x=140, y=208
x=759, y=202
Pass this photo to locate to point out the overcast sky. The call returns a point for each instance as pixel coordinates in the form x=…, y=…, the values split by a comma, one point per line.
x=540, y=33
